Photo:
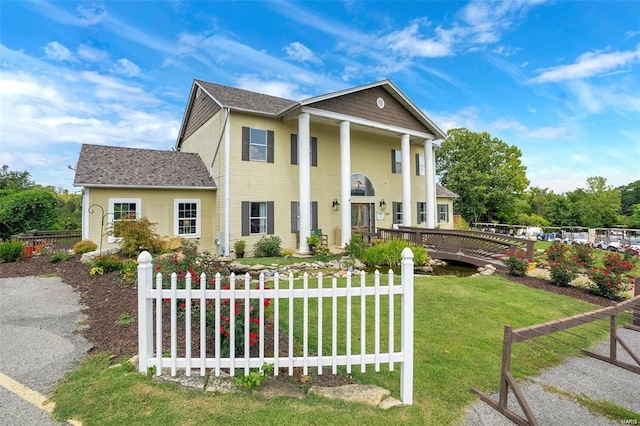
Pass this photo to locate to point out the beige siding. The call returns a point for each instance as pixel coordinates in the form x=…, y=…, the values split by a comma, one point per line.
x=158, y=206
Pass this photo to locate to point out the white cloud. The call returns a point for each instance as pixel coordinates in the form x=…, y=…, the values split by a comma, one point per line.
x=281, y=88
x=299, y=52
x=579, y=158
x=409, y=42
x=57, y=52
x=125, y=67
x=506, y=51
x=92, y=54
x=588, y=65
x=532, y=110
x=630, y=34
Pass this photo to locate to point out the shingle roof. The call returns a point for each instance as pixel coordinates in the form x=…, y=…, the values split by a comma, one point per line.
x=101, y=165
x=441, y=191
x=231, y=97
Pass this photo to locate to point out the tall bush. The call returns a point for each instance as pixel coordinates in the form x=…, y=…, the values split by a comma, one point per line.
x=268, y=246
x=26, y=210
x=389, y=254
x=138, y=235
x=11, y=251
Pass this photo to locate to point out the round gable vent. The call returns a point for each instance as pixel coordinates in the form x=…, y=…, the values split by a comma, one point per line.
x=380, y=102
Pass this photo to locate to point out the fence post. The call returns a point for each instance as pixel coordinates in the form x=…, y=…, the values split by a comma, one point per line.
x=406, y=370
x=636, y=314
x=145, y=311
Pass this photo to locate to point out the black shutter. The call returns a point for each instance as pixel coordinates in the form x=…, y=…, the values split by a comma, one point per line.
x=418, y=217
x=417, y=164
x=270, y=143
x=294, y=216
x=314, y=215
x=246, y=225
x=245, y=144
x=269, y=217
x=314, y=152
x=394, y=206
x=393, y=161
x=294, y=148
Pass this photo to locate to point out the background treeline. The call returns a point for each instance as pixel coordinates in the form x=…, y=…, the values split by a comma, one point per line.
x=25, y=205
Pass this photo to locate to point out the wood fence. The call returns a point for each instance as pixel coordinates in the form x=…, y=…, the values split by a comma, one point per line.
x=50, y=241
x=213, y=300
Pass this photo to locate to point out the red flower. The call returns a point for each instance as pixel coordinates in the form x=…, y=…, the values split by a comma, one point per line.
x=222, y=329
x=158, y=267
x=267, y=302
x=183, y=305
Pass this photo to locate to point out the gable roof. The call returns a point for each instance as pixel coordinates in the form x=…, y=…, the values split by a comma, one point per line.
x=245, y=100
x=443, y=192
x=112, y=166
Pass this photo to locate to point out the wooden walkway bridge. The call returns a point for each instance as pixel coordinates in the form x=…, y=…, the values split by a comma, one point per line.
x=473, y=247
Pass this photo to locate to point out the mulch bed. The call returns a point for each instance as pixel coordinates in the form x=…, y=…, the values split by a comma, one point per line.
x=106, y=300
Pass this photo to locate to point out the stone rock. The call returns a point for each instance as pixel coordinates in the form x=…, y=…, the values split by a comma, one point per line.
x=273, y=388
x=424, y=269
x=487, y=272
x=221, y=385
x=195, y=381
x=238, y=268
x=490, y=266
x=88, y=257
x=257, y=268
x=364, y=394
x=390, y=403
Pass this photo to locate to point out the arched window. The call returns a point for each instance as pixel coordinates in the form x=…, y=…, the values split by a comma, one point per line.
x=361, y=186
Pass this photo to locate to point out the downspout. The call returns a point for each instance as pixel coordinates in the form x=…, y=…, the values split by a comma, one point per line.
x=227, y=171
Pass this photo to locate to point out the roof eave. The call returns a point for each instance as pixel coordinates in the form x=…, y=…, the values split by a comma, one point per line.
x=96, y=185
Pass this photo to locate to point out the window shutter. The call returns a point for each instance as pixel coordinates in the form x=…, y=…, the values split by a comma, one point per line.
x=270, y=217
x=294, y=216
x=294, y=148
x=393, y=161
x=270, y=143
x=245, y=144
x=417, y=164
x=394, y=206
x=314, y=152
x=418, y=203
x=314, y=215
x=246, y=226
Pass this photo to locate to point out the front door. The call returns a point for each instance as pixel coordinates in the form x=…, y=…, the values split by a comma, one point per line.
x=361, y=218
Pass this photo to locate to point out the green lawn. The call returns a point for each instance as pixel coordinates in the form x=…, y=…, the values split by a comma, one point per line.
x=458, y=344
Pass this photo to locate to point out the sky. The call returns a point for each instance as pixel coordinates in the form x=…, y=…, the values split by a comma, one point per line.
x=558, y=79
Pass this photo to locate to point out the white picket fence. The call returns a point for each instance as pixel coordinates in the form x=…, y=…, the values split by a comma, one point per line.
x=216, y=297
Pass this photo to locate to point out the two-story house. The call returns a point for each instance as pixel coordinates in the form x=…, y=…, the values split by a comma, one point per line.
x=247, y=165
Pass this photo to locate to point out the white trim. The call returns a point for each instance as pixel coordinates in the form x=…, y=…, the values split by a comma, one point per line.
x=110, y=238
x=227, y=182
x=367, y=123
x=176, y=219
x=204, y=188
x=85, y=214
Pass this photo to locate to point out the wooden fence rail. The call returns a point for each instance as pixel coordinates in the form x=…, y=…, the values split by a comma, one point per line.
x=212, y=300
x=50, y=241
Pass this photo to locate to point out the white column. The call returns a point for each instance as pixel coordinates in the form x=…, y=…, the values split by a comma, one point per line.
x=406, y=180
x=85, y=214
x=434, y=199
x=345, y=182
x=304, y=170
x=430, y=183
x=227, y=183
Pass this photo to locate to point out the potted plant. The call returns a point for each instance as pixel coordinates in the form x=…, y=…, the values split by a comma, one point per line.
x=239, y=246
x=313, y=241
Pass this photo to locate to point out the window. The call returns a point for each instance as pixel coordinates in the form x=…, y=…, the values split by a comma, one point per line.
x=313, y=150
x=361, y=186
x=420, y=169
x=397, y=213
x=121, y=209
x=187, y=218
x=257, y=217
x=443, y=213
x=257, y=145
x=396, y=161
x=295, y=215
x=422, y=212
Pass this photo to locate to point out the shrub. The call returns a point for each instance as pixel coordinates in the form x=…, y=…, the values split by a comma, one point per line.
x=607, y=283
x=322, y=252
x=128, y=272
x=11, y=251
x=516, y=262
x=61, y=256
x=26, y=210
x=107, y=263
x=556, y=252
x=390, y=254
x=313, y=241
x=267, y=246
x=239, y=246
x=356, y=246
x=562, y=273
x=583, y=255
x=137, y=235
x=615, y=263
x=84, y=246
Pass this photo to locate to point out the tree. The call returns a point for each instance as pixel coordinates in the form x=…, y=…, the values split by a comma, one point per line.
x=630, y=196
x=485, y=172
x=598, y=205
x=14, y=181
x=27, y=210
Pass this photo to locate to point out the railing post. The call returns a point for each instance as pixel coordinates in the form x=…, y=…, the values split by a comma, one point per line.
x=145, y=311
x=406, y=370
x=530, y=253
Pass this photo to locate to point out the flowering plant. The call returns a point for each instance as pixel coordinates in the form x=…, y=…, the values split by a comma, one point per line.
x=516, y=262
x=556, y=251
x=562, y=273
x=583, y=255
x=608, y=283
